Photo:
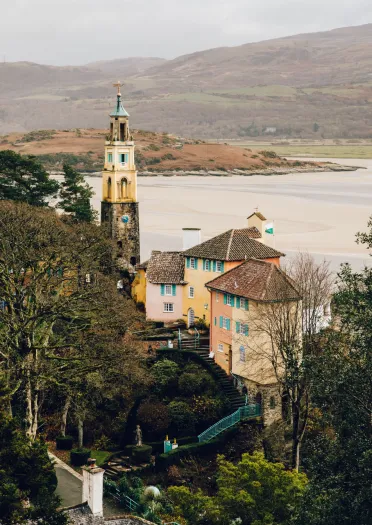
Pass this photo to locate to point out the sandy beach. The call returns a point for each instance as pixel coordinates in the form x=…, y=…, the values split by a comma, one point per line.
x=315, y=212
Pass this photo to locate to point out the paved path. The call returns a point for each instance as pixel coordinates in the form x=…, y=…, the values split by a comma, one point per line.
x=69, y=487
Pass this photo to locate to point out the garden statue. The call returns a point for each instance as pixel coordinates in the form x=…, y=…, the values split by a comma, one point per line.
x=138, y=436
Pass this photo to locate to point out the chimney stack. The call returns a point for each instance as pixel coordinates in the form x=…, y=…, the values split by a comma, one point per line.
x=191, y=237
x=93, y=487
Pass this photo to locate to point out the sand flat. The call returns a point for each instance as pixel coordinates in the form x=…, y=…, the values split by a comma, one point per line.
x=315, y=212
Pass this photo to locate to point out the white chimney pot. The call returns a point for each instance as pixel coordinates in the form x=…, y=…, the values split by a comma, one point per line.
x=191, y=237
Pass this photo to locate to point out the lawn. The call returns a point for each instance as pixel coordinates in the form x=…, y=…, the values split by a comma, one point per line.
x=337, y=151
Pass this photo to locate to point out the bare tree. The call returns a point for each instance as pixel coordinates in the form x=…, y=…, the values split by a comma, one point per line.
x=283, y=336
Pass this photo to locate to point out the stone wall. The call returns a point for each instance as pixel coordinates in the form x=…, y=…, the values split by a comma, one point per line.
x=127, y=234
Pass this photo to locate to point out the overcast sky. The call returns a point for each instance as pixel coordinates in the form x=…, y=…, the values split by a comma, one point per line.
x=65, y=32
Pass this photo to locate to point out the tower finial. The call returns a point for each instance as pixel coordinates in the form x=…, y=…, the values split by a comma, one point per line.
x=118, y=84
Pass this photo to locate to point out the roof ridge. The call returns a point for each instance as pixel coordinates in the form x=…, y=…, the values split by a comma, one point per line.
x=230, y=243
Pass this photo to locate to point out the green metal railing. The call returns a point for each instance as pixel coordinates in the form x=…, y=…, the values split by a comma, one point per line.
x=245, y=412
x=118, y=496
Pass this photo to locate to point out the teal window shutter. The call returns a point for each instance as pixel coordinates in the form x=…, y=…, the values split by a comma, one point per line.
x=238, y=302
x=215, y=321
x=246, y=304
x=173, y=289
x=214, y=266
x=228, y=326
x=221, y=321
x=162, y=289
x=224, y=298
x=232, y=301
x=187, y=262
x=246, y=329
x=237, y=327
x=204, y=265
x=196, y=263
x=126, y=157
x=222, y=266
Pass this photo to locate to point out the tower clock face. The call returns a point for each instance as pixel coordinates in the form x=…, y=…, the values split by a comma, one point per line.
x=125, y=219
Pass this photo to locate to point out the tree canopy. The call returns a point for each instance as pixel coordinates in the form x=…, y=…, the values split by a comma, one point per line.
x=253, y=492
x=75, y=196
x=27, y=479
x=23, y=179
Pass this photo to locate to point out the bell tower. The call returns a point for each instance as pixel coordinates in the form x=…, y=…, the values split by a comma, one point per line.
x=119, y=207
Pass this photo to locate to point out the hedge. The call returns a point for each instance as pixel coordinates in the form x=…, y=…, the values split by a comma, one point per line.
x=163, y=461
x=79, y=456
x=64, y=442
x=142, y=454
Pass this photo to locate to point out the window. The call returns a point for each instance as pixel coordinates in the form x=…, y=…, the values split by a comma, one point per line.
x=241, y=328
x=242, y=303
x=191, y=292
x=109, y=157
x=168, y=307
x=207, y=265
x=226, y=323
x=220, y=347
x=219, y=266
x=87, y=278
x=123, y=158
x=229, y=300
x=168, y=289
x=242, y=354
x=192, y=263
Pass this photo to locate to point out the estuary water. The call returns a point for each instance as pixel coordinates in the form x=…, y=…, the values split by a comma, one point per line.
x=315, y=212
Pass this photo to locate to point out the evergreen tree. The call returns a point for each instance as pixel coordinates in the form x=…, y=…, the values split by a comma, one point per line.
x=75, y=196
x=27, y=480
x=23, y=179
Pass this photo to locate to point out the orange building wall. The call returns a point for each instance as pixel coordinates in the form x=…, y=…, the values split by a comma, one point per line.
x=220, y=335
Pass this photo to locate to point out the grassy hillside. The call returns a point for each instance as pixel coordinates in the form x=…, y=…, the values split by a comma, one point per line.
x=313, y=86
x=84, y=148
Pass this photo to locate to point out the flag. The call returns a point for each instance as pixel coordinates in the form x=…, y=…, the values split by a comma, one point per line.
x=269, y=228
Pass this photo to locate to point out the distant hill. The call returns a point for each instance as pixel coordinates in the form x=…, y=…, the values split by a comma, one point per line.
x=316, y=85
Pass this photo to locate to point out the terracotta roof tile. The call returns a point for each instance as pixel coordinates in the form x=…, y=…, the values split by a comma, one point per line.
x=233, y=245
x=166, y=268
x=257, y=280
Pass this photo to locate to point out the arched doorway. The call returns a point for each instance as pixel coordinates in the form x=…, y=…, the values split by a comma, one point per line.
x=123, y=188
x=190, y=318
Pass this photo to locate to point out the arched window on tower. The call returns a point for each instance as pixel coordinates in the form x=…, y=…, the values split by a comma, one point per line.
x=109, y=188
x=123, y=188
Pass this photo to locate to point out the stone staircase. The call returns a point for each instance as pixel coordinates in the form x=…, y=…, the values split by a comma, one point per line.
x=224, y=380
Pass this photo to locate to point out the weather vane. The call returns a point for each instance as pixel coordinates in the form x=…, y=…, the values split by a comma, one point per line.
x=118, y=84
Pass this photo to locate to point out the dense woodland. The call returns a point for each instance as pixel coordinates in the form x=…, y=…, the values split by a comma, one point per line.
x=71, y=364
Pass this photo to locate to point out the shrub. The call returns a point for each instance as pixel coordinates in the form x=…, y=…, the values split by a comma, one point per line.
x=79, y=456
x=182, y=418
x=190, y=384
x=153, y=417
x=165, y=373
x=64, y=442
x=268, y=154
x=142, y=454
x=207, y=410
x=128, y=449
x=103, y=443
x=168, y=156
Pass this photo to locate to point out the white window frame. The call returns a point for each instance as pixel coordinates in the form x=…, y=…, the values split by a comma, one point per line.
x=220, y=347
x=219, y=266
x=88, y=278
x=191, y=292
x=168, y=308
x=168, y=287
x=228, y=299
x=242, y=353
x=224, y=324
x=207, y=265
x=192, y=263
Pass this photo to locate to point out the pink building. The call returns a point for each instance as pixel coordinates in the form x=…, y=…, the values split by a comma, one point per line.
x=164, y=287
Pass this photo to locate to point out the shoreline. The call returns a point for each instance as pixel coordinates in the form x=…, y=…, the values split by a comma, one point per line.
x=285, y=170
